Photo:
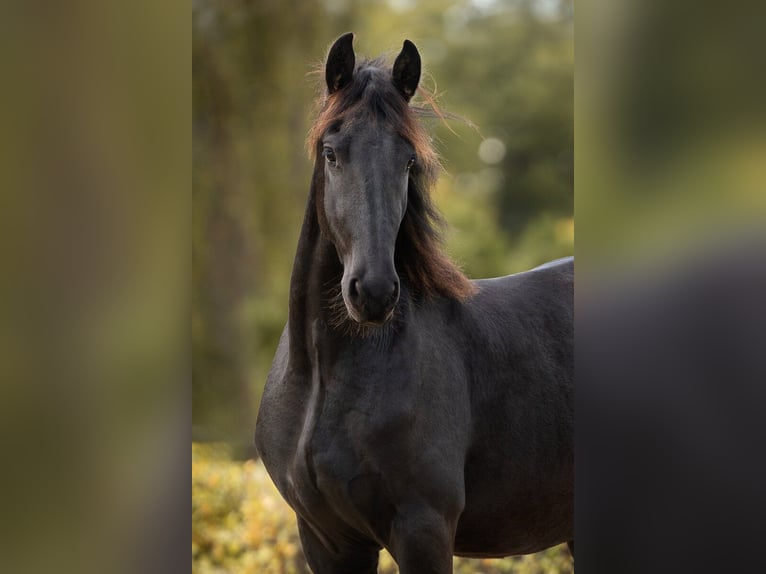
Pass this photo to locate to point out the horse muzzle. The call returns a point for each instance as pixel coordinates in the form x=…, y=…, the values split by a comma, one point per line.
x=371, y=300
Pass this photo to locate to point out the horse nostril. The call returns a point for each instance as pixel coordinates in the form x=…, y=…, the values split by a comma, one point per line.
x=353, y=288
x=395, y=292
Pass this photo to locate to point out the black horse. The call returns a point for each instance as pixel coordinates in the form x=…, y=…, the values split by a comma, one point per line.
x=408, y=407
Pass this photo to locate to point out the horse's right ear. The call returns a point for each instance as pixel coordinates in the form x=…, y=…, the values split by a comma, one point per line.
x=406, y=71
x=339, y=68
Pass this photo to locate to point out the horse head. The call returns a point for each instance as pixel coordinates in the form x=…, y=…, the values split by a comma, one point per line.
x=366, y=165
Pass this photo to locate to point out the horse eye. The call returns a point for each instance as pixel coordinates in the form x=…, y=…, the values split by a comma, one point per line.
x=411, y=162
x=329, y=154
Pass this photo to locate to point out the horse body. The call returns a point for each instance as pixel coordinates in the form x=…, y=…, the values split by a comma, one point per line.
x=446, y=429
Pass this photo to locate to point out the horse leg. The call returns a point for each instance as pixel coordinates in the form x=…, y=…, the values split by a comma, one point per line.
x=570, y=544
x=422, y=543
x=362, y=559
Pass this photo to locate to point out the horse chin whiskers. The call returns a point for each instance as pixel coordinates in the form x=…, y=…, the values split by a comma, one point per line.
x=354, y=316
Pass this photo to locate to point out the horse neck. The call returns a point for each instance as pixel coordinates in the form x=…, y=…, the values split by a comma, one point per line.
x=316, y=263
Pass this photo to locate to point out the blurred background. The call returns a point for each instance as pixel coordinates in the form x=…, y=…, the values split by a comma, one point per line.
x=507, y=193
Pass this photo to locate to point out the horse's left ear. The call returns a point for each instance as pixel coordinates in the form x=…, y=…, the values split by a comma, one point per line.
x=406, y=72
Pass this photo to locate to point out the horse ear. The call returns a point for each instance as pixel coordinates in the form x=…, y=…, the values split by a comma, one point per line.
x=339, y=68
x=406, y=72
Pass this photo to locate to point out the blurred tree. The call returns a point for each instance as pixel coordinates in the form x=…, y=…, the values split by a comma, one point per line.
x=511, y=70
x=249, y=124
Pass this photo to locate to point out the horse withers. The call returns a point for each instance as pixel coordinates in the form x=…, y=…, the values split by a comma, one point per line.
x=408, y=407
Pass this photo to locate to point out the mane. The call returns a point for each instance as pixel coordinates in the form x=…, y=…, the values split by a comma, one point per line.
x=419, y=255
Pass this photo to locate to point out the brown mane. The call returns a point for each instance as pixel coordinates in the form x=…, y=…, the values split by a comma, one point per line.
x=419, y=256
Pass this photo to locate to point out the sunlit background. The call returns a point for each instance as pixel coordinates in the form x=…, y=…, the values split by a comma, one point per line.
x=505, y=66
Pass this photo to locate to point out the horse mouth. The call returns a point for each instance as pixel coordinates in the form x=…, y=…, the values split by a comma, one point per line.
x=380, y=323
x=370, y=321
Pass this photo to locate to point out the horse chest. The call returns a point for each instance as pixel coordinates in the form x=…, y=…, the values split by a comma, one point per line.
x=344, y=460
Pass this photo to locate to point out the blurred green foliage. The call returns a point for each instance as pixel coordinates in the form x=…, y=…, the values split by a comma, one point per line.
x=671, y=135
x=241, y=525
x=507, y=190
